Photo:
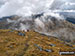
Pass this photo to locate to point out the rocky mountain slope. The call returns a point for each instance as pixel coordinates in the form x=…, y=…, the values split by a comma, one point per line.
x=48, y=24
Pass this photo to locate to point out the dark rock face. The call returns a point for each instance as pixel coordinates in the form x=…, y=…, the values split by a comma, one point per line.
x=47, y=25
x=72, y=20
x=38, y=15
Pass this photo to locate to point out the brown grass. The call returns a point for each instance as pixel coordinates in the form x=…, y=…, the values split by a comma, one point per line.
x=12, y=44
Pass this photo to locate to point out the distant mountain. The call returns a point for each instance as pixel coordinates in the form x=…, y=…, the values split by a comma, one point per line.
x=42, y=23
x=57, y=27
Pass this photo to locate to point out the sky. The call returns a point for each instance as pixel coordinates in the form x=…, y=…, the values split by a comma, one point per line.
x=28, y=7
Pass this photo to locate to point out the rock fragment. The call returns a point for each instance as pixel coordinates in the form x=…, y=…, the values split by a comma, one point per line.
x=53, y=45
x=41, y=49
x=48, y=50
x=21, y=34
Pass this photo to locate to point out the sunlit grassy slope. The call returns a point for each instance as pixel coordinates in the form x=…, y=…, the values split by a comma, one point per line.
x=18, y=43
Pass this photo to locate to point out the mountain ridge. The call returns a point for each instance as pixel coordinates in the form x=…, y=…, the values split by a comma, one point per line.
x=46, y=24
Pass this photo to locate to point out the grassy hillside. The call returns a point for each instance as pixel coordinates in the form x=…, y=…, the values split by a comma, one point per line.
x=18, y=43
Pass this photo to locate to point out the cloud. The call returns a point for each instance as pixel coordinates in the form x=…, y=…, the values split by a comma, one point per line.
x=24, y=7
x=29, y=7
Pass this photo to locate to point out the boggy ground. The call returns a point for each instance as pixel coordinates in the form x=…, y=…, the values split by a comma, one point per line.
x=18, y=43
